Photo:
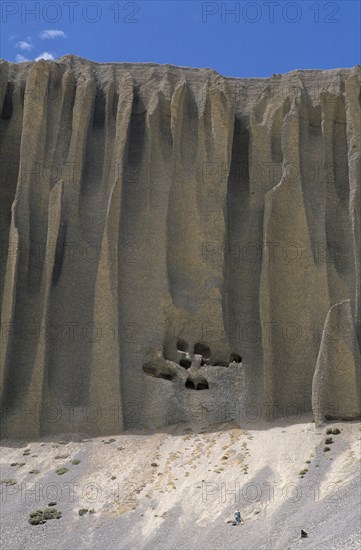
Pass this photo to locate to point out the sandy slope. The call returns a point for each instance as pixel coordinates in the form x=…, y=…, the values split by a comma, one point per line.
x=177, y=488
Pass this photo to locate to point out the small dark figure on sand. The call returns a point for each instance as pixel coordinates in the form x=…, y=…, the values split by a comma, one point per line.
x=237, y=517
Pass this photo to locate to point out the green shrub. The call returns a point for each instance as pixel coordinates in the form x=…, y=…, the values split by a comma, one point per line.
x=328, y=440
x=83, y=511
x=75, y=461
x=51, y=513
x=336, y=431
x=61, y=471
x=8, y=481
x=37, y=518
x=326, y=449
x=41, y=516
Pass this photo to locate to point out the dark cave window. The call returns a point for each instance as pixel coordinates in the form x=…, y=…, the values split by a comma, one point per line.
x=182, y=345
x=203, y=350
x=185, y=363
x=200, y=384
x=157, y=371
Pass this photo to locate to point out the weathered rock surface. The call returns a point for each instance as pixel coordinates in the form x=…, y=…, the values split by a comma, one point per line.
x=337, y=378
x=172, y=242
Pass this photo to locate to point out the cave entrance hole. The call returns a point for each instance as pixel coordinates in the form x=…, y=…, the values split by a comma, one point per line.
x=202, y=349
x=185, y=363
x=182, y=345
x=158, y=371
x=197, y=384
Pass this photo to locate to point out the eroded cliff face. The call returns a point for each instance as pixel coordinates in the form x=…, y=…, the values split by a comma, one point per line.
x=172, y=243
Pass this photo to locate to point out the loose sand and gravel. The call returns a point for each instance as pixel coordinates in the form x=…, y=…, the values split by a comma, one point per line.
x=178, y=488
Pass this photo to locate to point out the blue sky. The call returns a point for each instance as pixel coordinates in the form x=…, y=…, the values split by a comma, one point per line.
x=245, y=38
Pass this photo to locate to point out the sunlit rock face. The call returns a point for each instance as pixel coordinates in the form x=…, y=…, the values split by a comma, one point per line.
x=173, y=243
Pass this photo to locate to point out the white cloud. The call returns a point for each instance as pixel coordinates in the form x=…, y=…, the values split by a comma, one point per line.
x=52, y=33
x=20, y=58
x=45, y=55
x=23, y=45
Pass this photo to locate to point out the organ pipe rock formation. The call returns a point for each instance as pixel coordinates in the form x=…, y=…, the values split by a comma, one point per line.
x=177, y=246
